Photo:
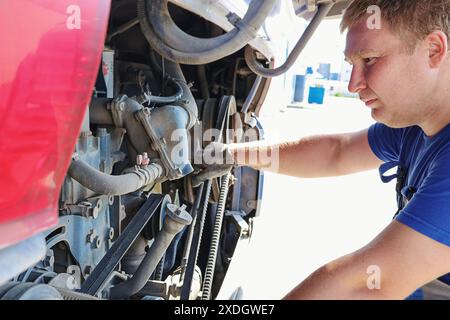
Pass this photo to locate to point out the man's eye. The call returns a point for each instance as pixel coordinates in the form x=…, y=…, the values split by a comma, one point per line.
x=370, y=61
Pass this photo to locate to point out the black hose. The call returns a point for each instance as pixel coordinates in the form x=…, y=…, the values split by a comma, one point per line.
x=103, y=183
x=187, y=49
x=203, y=81
x=187, y=100
x=260, y=70
x=167, y=99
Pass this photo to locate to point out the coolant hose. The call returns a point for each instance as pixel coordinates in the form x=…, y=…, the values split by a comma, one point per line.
x=103, y=183
x=186, y=49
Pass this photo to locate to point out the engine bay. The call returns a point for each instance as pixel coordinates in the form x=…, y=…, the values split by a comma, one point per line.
x=131, y=225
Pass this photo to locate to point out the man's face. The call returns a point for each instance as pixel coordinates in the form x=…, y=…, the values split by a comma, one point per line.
x=394, y=83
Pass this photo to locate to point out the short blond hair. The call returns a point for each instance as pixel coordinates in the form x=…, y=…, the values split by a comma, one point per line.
x=412, y=20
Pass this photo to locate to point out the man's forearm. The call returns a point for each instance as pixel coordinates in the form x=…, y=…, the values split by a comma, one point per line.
x=308, y=157
x=344, y=279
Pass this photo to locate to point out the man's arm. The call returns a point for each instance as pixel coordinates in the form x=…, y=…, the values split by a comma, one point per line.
x=317, y=156
x=406, y=260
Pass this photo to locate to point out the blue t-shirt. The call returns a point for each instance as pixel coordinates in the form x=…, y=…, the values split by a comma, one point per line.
x=427, y=160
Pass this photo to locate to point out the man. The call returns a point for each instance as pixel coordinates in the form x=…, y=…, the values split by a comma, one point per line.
x=401, y=71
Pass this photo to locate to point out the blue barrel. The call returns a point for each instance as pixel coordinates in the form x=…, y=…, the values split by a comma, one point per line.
x=334, y=76
x=299, y=92
x=316, y=95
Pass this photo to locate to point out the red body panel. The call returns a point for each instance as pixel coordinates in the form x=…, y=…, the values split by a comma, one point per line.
x=48, y=64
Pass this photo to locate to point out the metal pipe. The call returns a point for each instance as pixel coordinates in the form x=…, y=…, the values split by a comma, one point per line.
x=260, y=70
x=251, y=94
x=128, y=25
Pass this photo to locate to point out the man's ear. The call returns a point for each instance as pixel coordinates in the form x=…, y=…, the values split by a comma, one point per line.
x=437, y=43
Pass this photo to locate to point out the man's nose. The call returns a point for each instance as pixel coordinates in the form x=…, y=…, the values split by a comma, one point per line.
x=357, y=81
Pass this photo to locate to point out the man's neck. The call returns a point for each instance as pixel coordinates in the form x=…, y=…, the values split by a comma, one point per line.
x=437, y=121
x=439, y=108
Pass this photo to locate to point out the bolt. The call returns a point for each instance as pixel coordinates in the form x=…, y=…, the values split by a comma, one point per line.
x=95, y=213
x=252, y=204
x=98, y=242
x=180, y=210
x=88, y=270
x=111, y=233
x=90, y=237
x=49, y=259
x=179, y=214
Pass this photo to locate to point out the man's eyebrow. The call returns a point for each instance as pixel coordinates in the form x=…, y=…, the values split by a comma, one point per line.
x=351, y=56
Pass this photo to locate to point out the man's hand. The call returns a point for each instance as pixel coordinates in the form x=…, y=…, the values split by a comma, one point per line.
x=216, y=161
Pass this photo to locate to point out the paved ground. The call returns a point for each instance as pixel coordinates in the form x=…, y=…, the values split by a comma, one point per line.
x=305, y=223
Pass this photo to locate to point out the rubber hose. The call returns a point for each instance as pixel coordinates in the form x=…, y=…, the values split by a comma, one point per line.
x=162, y=24
x=187, y=101
x=103, y=183
x=238, y=38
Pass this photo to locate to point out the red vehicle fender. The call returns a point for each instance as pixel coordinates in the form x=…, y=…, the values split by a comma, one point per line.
x=49, y=61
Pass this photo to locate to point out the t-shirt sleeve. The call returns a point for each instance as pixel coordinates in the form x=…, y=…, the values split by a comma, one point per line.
x=428, y=212
x=385, y=142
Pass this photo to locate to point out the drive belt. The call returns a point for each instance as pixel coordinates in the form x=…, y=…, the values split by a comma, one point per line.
x=95, y=282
